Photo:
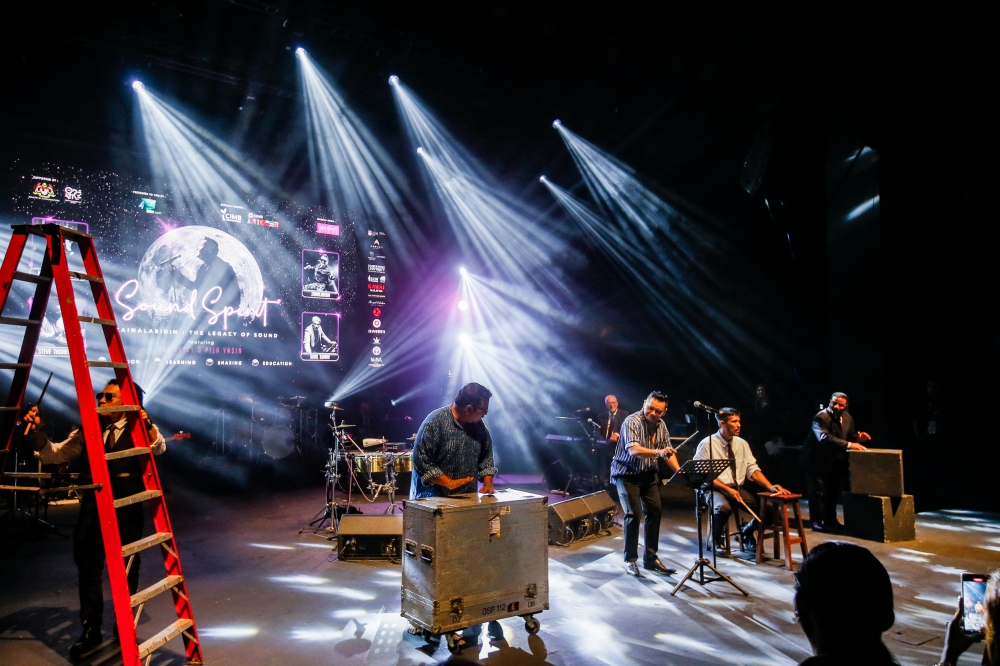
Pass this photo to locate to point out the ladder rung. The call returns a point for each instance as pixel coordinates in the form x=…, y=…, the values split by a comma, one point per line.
x=138, y=497
x=31, y=277
x=14, y=366
x=30, y=489
x=142, y=596
x=9, y=409
x=40, y=230
x=160, y=639
x=125, y=453
x=95, y=320
x=60, y=489
x=84, y=276
x=145, y=542
x=27, y=475
x=118, y=409
x=106, y=364
x=15, y=321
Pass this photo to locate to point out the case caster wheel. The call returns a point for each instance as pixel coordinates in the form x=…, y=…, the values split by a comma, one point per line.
x=455, y=642
x=531, y=625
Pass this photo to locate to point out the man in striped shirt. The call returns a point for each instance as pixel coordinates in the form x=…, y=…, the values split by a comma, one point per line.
x=643, y=442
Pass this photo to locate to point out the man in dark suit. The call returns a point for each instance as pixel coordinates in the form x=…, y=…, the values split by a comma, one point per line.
x=824, y=457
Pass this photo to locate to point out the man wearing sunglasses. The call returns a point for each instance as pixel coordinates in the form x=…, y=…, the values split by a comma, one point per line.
x=126, y=479
x=454, y=448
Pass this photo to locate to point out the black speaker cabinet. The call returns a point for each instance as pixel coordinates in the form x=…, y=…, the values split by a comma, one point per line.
x=877, y=472
x=579, y=517
x=370, y=537
x=879, y=518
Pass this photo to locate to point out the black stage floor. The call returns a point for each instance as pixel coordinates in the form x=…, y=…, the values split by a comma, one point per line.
x=263, y=594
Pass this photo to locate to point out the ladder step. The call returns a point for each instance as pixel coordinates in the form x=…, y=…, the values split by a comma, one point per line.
x=30, y=489
x=157, y=641
x=14, y=366
x=146, y=542
x=15, y=321
x=31, y=277
x=96, y=320
x=84, y=276
x=106, y=364
x=138, y=497
x=142, y=596
x=10, y=409
x=117, y=409
x=125, y=453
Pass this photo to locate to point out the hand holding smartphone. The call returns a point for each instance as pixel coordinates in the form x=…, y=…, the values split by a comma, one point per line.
x=973, y=602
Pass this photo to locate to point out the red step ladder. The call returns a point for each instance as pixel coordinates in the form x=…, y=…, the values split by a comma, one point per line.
x=55, y=268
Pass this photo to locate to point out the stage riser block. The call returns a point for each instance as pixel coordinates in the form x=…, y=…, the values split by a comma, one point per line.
x=879, y=518
x=877, y=472
x=370, y=537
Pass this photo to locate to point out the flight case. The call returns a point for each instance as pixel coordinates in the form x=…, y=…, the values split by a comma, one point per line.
x=470, y=559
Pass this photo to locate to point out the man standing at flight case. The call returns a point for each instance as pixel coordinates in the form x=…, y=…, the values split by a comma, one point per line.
x=126, y=479
x=824, y=457
x=454, y=448
x=644, y=440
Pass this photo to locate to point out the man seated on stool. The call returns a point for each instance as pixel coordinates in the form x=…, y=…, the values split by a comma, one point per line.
x=729, y=486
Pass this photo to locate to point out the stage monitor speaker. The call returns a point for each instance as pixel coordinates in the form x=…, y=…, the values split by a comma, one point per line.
x=879, y=518
x=579, y=517
x=876, y=472
x=370, y=537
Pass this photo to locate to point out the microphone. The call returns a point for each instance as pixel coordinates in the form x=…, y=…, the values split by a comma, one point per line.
x=701, y=405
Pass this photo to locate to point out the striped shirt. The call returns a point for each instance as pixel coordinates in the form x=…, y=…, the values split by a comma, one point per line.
x=636, y=430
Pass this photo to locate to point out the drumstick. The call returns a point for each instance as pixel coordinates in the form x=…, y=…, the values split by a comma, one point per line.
x=740, y=500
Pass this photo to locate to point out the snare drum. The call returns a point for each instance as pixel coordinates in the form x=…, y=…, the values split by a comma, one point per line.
x=404, y=464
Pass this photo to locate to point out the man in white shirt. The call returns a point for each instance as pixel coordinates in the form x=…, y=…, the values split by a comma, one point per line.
x=126, y=479
x=729, y=486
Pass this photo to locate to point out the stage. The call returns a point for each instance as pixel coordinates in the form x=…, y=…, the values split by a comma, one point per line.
x=263, y=594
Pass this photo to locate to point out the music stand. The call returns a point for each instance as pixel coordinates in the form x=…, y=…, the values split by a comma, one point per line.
x=699, y=474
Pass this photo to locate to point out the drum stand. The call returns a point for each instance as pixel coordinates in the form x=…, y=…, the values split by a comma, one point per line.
x=329, y=511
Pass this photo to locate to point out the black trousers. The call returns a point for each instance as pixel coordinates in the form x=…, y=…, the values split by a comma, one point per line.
x=722, y=509
x=824, y=485
x=88, y=553
x=640, y=494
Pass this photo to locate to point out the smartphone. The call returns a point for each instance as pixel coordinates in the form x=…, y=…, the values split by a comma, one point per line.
x=973, y=601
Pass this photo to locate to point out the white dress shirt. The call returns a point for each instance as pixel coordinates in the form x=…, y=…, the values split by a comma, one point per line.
x=71, y=447
x=716, y=447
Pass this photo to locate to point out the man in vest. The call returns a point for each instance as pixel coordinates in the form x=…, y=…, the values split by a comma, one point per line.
x=126, y=479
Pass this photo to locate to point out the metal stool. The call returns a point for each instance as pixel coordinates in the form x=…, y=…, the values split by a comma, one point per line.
x=776, y=526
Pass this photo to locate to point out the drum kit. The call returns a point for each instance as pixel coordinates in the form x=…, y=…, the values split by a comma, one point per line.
x=368, y=462
x=275, y=430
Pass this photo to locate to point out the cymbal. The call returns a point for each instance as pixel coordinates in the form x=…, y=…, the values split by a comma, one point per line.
x=336, y=408
x=568, y=418
x=341, y=427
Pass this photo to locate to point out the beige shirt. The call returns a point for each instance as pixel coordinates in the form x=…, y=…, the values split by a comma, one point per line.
x=716, y=447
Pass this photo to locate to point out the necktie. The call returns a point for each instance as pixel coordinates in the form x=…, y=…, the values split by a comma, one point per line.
x=732, y=463
x=109, y=437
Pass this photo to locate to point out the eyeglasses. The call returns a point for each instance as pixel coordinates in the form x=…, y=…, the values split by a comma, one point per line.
x=106, y=396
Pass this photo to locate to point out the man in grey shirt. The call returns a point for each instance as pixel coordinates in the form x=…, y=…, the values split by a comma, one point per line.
x=454, y=447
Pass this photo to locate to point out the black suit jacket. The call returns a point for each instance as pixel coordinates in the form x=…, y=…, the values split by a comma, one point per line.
x=615, y=420
x=828, y=443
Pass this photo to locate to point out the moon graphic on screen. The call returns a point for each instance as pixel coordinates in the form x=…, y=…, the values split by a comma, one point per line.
x=179, y=248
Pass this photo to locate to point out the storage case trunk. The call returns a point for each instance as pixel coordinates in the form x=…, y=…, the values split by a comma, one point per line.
x=469, y=559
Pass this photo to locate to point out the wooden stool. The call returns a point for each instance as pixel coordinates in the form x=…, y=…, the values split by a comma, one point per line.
x=777, y=526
